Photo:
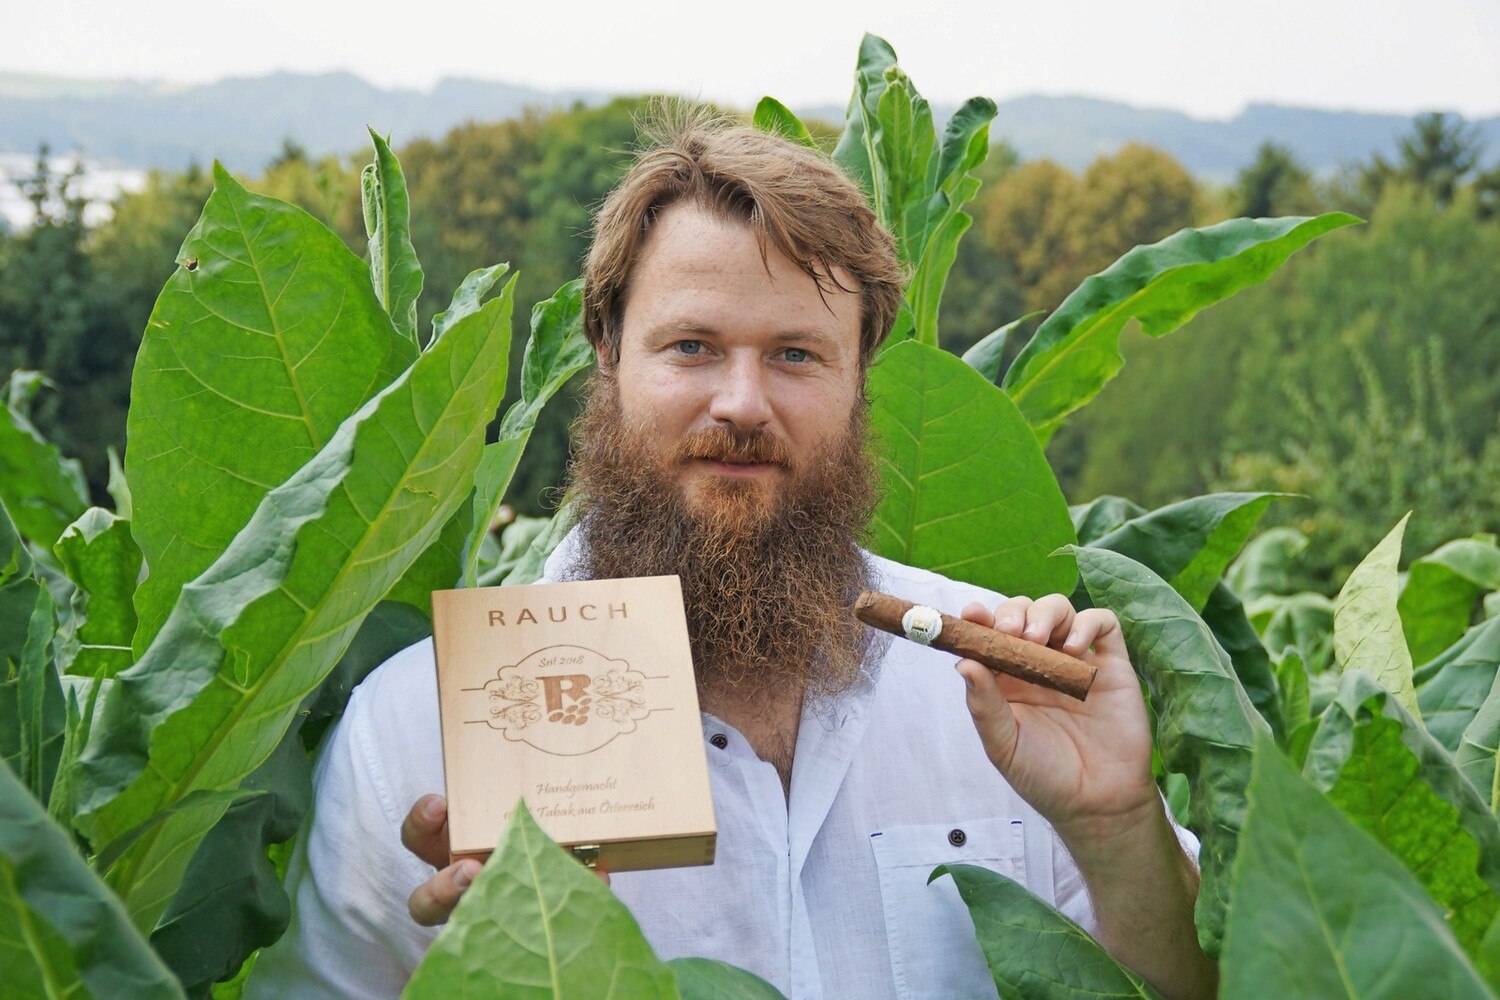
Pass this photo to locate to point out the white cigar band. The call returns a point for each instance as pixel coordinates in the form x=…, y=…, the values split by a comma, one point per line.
x=922, y=624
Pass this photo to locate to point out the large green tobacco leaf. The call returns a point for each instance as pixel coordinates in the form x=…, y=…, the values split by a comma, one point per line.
x=773, y=116
x=1381, y=768
x=1441, y=589
x=556, y=351
x=1100, y=516
x=536, y=923
x=1163, y=285
x=1366, y=626
x=1190, y=543
x=1204, y=720
x=1225, y=617
x=467, y=298
x=1455, y=683
x=986, y=355
x=967, y=491
x=706, y=979
x=441, y=566
x=1477, y=748
x=232, y=900
x=261, y=628
x=1266, y=565
x=1033, y=950
x=62, y=932
x=266, y=337
x=43, y=491
x=101, y=558
x=1322, y=910
x=1300, y=622
x=394, y=270
x=529, y=567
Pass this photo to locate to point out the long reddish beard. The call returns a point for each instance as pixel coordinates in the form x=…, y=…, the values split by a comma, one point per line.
x=769, y=569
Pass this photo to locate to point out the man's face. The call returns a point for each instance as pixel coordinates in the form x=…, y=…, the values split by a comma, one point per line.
x=727, y=448
x=711, y=344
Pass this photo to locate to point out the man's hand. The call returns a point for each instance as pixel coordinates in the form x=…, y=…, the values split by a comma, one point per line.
x=1084, y=765
x=424, y=832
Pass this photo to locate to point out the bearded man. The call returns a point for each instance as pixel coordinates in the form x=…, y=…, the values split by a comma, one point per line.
x=736, y=291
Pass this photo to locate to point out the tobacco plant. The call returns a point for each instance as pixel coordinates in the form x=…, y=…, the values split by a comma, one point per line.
x=304, y=465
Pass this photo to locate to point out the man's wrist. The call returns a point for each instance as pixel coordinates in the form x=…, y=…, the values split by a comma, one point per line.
x=1103, y=842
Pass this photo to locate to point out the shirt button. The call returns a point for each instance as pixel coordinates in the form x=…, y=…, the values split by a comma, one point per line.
x=957, y=837
x=719, y=740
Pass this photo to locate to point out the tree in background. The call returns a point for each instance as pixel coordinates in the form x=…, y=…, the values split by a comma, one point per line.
x=1050, y=229
x=1274, y=184
x=56, y=315
x=1364, y=377
x=1437, y=155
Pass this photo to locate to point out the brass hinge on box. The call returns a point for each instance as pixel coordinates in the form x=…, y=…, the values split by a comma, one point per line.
x=588, y=854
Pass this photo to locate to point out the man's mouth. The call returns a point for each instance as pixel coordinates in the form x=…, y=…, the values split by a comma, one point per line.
x=736, y=467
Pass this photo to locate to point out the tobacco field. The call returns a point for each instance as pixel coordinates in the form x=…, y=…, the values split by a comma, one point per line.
x=305, y=464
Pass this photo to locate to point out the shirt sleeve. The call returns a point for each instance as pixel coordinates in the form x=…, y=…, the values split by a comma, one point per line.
x=349, y=878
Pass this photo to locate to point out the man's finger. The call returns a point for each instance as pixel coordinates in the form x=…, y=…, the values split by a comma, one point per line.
x=1107, y=638
x=1010, y=616
x=433, y=901
x=978, y=613
x=424, y=832
x=1048, y=618
x=993, y=717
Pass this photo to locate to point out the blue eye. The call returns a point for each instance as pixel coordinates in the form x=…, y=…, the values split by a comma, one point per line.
x=690, y=346
x=797, y=354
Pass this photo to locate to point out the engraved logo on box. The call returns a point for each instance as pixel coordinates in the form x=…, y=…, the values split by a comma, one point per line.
x=566, y=700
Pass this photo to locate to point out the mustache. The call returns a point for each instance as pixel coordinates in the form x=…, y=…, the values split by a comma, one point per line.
x=725, y=444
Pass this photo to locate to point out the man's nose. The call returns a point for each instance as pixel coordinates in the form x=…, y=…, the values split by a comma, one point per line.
x=742, y=397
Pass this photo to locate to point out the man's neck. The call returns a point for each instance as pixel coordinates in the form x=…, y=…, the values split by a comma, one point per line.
x=768, y=725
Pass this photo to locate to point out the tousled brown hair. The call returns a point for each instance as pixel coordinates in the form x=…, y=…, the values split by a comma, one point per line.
x=793, y=197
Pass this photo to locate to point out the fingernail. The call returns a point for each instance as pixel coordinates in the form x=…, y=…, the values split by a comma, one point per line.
x=967, y=683
x=1034, y=632
x=465, y=874
x=1073, y=639
x=1006, y=624
x=433, y=808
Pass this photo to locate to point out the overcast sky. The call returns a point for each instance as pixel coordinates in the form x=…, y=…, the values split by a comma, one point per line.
x=1199, y=56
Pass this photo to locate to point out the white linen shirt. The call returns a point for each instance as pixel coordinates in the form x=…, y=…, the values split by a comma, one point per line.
x=824, y=894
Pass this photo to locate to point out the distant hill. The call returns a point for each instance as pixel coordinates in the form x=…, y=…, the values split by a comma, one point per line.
x=243, y=121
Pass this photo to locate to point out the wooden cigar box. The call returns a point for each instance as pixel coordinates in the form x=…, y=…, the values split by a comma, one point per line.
x=580, y=698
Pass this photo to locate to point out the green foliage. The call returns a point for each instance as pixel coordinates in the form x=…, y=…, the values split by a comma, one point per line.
x=1381, y=768
x=361, y=509
x=537, y=924
x=982, y=508
x=1366, y=627
x=269, y=326
x=103, y=562
x=1074, y=352
x=1032, y=949
x=42, y=491
x=1205, y=723
x=1437, y=601
x=1322, y=910
x=277, y=577
x=64, y=932
x=394, y=270
x=1361, y=377
x=917, y=184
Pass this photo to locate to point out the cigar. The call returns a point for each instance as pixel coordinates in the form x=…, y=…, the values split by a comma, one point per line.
x=1007, y=654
